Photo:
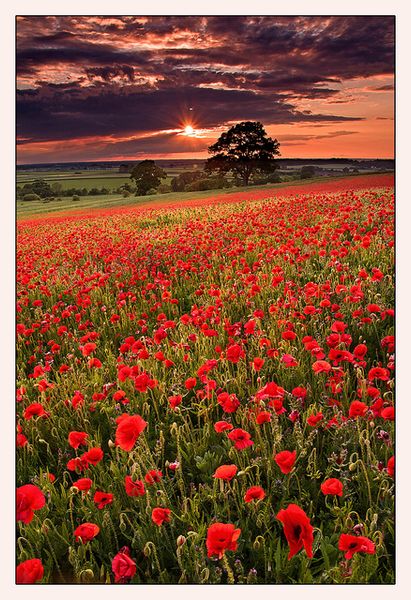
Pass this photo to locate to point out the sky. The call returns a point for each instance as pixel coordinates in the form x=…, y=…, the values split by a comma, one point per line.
x=129, y=88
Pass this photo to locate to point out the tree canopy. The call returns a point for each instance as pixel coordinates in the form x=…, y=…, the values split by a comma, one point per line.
x=147, y=175
x=245, y=150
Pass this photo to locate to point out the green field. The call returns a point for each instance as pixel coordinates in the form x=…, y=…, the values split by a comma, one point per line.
x=37, y=208
x=107, y=178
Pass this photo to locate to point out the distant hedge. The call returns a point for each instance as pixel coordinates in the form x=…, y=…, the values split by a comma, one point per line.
x=31, y=197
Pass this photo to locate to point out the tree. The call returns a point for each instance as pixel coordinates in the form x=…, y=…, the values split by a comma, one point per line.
x=307, y=172
x=245, y=150
x=179, y=183
x=39, y=187
x=147, y=176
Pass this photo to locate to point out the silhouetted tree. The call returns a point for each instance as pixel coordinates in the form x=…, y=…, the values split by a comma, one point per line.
x=245, y=150
x=147, y=176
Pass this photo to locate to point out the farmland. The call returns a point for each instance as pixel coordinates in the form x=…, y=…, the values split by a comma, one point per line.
x=205, y=388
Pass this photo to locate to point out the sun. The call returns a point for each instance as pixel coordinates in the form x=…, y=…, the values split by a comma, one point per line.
x=188, y=130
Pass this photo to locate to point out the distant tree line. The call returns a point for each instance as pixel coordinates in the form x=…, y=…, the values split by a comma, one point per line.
x=244, y=155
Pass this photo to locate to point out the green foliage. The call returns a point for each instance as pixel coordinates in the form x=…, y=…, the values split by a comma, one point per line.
x=307, y=172
x=147, y=176
x=31, y=197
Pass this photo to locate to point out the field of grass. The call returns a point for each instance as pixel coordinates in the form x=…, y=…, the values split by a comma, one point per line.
x=88, y=179
x=37, y=208
x=205, y=389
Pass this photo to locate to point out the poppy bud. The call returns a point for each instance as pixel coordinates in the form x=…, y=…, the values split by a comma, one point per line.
x=181, y=540
x=87, y=575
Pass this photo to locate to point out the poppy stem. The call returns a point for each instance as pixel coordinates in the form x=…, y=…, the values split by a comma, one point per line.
x=230, y=574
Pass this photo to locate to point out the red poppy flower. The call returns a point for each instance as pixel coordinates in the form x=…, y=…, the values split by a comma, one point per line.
x=360, y=351
x=270, y=390
x=332, y=487
x=299, y=392
x=29, y=498
x=357, y=409
x=102, y=499
x=234, y=353
x=263, y=417
x=313, y=420
x=258, y=364
x=242, y=439
x=29, y=571
x=221, y=537
x=153, y=476
x=190, y=383
x=285, y=460
x=297, y=529
x=34, y=410
x=21, y=440
x=221, y=426
x=228, y=402
x=378, y=373
x=254, y=493
x=88, y=348
x=388, y=413
x=77, y=438
x=289, y=361
x=355, y=543
x=174, y=401
x=86, y=532
x=128, y=430
x=123, y=567
x=321, y=366
x=225, y=472
x=93, y=456
x=134, y=488
x=160, y=516
x=83, y=484
x=390, y=466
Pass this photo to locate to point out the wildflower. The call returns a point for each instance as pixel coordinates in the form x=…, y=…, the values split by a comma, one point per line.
x=83, y=484
x=160, y=516
x=297, y=529
x=225, y=472
x=285, y=460
x=355, y=543
x=128, y=430
x=390, y=467
x=29, y=571
x=29, y=498
x=221, y=426
x=77, y=438
x=86, y=532
x=254, y=493
x=228, y=402
x=221, y=537
x=153, y=476
x=123, y=567
x=332, y=487
x=241, y=439
x=134, y=488
x=102, y=499
x=93, y=456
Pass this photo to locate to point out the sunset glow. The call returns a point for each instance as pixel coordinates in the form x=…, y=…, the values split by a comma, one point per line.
x=188, y=130
x=114, y=88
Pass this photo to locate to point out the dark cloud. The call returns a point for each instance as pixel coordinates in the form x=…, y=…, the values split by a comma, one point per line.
x=52, y=115
x=90, y=76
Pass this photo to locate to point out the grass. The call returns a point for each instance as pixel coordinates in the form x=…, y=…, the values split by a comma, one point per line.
x=109, y=179
x=29, y=209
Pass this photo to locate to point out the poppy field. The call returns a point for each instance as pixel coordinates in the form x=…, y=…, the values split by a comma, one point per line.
x=205, y=391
